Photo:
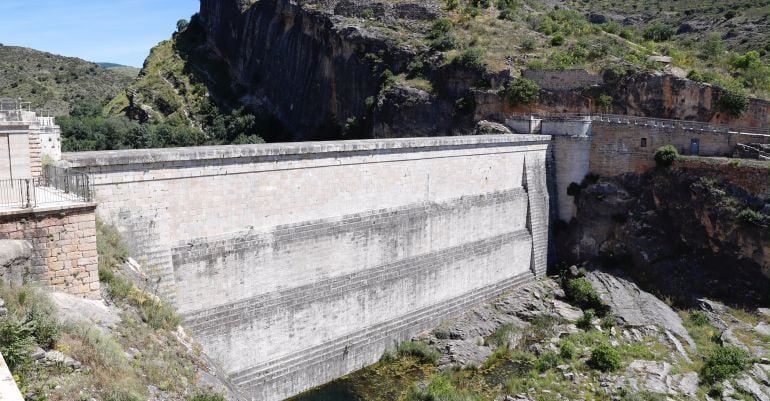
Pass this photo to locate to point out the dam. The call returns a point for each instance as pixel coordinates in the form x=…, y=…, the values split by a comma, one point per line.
x=294, y=264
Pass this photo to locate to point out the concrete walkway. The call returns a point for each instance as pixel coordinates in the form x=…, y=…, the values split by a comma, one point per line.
x=8, y=389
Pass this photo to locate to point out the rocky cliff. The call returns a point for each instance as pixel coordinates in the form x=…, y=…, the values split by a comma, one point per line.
x=687, y=232
x=332, y=69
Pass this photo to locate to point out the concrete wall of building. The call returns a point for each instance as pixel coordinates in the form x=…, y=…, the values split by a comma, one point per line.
x=572, y=155
x=63, y=239
x=50, y=137
x=295, y=264
x=15, y=162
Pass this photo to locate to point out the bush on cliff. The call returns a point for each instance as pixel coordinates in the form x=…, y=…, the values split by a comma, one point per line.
x=666, y=155
x=725, y=362
x=604, y=358
x=522, y=91
x=750, y=216
x=582, y=293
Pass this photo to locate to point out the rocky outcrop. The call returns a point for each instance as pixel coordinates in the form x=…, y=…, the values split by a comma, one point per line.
x=303, y=62
x=677, y=233
x=634, y=307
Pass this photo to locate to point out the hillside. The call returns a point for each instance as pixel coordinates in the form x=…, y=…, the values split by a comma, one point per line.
x=53, y=82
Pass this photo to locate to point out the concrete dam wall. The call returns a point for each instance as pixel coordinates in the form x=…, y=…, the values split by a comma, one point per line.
x=294, y=264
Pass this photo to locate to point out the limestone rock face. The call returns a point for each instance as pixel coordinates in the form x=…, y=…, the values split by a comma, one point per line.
x=15, y=261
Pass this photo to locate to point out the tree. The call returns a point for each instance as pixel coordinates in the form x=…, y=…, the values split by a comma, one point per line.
x=733, y=101
x=658, y=32
x=181, y=25
x=713, y=46
x=522, y=91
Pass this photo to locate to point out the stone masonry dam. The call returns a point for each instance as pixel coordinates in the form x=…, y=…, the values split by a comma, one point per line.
x=294, y=264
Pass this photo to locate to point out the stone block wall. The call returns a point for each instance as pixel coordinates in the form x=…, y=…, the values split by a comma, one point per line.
x=297, y=263
x=617, y=147
x=64, y=254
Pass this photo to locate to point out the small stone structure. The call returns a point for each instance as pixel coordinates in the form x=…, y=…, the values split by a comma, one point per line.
x=609, y=145
x=26, y=138
x=295, y=264
x=45, y=206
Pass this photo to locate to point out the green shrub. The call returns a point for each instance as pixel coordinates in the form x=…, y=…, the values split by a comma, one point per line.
x=666, y=155
x=699, y=318
x=586, y=321
x=472, y=57
x=440, y=37
x=207, y=397
x=733, y=101
x=422, y=351
x=557, y=40
x=750, y=216
x=16, y=342
x=528, y=44
x=522, y=91
x=567, y=350
x=604, y=358
x=440, y=388
x=109, y=244
x=32, y=306
x=121, y=395
x=608, y=321
x=547, y=360
x=582, y=293
x=723, y=363
x=604, y=101
x=658, y=32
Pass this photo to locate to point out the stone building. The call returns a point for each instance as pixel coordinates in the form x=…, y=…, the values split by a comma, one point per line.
x=46, y=206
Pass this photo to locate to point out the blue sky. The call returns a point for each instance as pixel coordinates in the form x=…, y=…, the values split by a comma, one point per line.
x=118, y=31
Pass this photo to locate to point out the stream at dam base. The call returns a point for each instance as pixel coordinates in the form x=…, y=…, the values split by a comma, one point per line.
x=391, y=381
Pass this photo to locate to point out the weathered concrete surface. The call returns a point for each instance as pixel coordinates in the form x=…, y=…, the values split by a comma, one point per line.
x=8, y=389
x=294, y=264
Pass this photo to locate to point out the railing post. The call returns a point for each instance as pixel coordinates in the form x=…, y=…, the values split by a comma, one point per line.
x=29, y=201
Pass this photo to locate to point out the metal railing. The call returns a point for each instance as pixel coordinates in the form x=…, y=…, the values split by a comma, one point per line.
x=55, y=186
x=651, y=122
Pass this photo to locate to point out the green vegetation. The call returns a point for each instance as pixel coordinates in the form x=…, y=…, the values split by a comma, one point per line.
x=147, y=330
x=53, y=82
x=751, y=216
x=441, y=388
x=725, y=362
x=522, y=91
x=169, y=105
x=418, y=349
x=666, y=155
x=582, y=293
x=605, y=358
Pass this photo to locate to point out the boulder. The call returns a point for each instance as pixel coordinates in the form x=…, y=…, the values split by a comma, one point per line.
x=634, y=307
x=15, y=257
x=485, y=127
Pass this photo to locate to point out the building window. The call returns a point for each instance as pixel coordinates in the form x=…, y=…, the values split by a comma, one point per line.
x=644, y=142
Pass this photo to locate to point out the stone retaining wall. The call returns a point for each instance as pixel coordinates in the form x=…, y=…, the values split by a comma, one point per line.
x=64, y=254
